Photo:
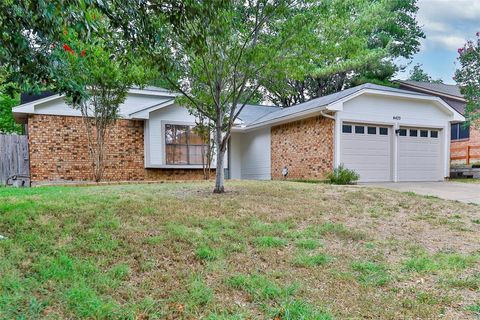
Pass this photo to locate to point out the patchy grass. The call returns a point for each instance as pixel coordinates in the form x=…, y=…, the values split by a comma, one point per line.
x=263, y=250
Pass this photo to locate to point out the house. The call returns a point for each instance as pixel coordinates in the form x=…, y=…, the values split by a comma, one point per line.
x=464, y=139
x=383, y=133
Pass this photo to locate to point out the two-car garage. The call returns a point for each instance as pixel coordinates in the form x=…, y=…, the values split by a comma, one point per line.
x=383, y=153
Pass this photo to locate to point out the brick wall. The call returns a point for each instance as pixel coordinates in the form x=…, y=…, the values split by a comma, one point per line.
x=459, y=148
x=58, y=152
x=305, y=147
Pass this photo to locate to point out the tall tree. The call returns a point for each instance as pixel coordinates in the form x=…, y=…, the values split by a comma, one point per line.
x=29, y=28
x=418, y=74
x=467, y=77
x=361, y=38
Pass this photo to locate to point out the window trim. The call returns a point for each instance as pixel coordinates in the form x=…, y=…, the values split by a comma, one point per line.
x=164, y=143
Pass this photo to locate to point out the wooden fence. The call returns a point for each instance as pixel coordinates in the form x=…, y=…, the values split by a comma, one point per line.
x=466, y=153
x=14, y=160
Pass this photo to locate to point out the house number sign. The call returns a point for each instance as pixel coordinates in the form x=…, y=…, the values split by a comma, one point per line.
x=397, y=118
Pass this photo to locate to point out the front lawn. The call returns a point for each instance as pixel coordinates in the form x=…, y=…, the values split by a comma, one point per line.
x=264, y=250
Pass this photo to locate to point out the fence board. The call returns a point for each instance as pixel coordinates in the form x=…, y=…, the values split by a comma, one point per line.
x=14, y=159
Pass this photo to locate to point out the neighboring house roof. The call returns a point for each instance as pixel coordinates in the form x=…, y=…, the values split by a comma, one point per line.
x=448, y=92
x=439, y=88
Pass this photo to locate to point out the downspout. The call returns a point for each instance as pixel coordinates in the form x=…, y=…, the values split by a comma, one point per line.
x=323, y=114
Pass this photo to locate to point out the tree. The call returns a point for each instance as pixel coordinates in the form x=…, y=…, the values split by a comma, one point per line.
x=95, y=77
x=417, y=74
x=7, y=123
x=467, y=77
x=9, y=98
x=357, y=40
x=218, y=49
x=29, y=28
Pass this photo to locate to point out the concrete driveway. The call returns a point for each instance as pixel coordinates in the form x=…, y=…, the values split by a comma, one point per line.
x=465, y=192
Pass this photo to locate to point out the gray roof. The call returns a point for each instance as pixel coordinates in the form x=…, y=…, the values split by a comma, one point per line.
x=441, y=88
x=250, y=112
x=277, y=113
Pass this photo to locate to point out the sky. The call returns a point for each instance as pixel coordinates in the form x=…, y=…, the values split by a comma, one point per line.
x=447, y=24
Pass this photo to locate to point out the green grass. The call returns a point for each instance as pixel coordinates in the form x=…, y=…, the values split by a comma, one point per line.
x=311, y=260
x=269, y=242
x=263, y=250
x=370, y=273
x=309, y=244
x=441, y=262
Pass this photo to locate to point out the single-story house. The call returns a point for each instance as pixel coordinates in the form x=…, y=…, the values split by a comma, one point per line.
x=383, y=133
x=465, y=140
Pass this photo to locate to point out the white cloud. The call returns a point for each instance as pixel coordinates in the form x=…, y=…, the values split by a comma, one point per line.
x=448, y=24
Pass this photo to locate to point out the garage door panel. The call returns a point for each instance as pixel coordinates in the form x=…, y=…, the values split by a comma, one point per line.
x=368, y=154
x=419, y=158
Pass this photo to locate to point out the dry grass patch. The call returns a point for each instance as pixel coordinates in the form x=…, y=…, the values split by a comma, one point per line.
x=264, y=250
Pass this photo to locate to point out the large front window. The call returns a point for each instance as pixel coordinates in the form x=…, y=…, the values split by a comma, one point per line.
x=183, y=145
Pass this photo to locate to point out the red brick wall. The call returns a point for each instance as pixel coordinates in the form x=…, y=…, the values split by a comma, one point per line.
x=305, y=147
x=58, y=152
x=459, y=148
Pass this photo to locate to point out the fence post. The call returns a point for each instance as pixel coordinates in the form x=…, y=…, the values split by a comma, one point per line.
x=468, y=155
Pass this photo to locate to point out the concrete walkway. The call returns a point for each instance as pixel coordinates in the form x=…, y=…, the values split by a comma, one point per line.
x=465, y=192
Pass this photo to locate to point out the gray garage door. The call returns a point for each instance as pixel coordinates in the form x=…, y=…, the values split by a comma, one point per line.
x=419, y=154
x=367, y=149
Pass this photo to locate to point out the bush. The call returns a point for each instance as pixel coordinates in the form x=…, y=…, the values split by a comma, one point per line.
x=342, y=175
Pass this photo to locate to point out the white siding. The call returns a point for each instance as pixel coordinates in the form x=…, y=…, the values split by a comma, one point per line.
x=132, y=102
x=250, y=155
x=174, y=114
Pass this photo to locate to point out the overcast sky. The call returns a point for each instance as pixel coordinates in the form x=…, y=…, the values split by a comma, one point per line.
x=447, y=25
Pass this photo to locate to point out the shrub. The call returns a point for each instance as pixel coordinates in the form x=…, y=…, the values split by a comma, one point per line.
x=342, y=175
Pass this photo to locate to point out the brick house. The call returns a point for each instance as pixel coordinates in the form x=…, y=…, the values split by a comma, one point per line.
x=384, y=133
x=464, y=140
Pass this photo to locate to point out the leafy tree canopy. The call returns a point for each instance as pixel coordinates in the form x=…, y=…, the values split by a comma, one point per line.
x=467, y=77
x=349, y=42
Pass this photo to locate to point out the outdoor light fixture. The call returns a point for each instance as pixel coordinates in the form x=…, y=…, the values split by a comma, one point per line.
x=285, y=172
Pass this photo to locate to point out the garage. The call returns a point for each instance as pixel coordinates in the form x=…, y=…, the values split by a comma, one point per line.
x=370, y=150
x=419, y=154
x=367, y=149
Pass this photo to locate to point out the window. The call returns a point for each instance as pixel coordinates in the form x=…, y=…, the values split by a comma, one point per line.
x=413, y=133
x=359, y=129
x=183, y=145
x=384, y=131
x=347, y=128
x=372, y=130
x=424, y=133
x=459, y=131
x=402, y=132
x=433, y=134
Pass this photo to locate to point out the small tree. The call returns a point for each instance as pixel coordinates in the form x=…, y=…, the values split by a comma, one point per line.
x=205, y=129
x=95, y=80
x=467, y=77
x=418, y=74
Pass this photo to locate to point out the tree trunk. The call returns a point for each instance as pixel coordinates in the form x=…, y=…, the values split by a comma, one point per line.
x=219, y=174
